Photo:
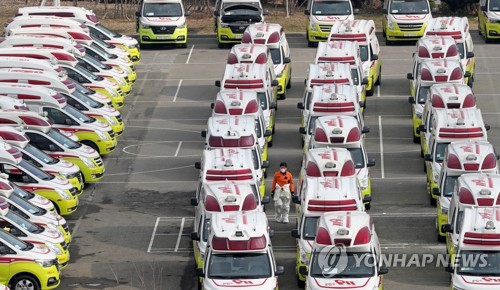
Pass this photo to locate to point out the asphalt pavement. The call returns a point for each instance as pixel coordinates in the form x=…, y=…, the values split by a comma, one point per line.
x=132, y=228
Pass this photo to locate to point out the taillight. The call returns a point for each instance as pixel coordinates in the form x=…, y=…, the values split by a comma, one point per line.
x=312, y=170
x=437, y=102
x=457, y=74
x=232, y=59
x=9, y=136
x=469, y=101
x=423, y=52
x=323, y=237
x=59, y=98
x=274, y=37
x=252, y=107
x=452, y=51
x=348, y=169
x=38, y=82
x=246, y=38
x=426, y=75
x=320, y=135
x=249, y=203
x=63, y=56
x=16, y=153
x=261, y=59
x=354, y=135
x=211, y=204
x=220, y=108
x=79, y=36
x=453, y=162
x=465, y=196
x=247, y=141
x=363, y=236
x=5, y=186
x=489, y=162
x=28, y=120
x=258, y=243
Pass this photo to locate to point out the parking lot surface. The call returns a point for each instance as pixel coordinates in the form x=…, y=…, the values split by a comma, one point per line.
x=132, y=231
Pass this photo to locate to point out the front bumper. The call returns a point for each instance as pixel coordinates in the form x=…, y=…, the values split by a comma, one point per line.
x=367, y=192
x=91, y=175
x=147, y=36
x=398, y=35
x=106, y=147
x=317, y=35
x=493, y=30
x=442, y=219
x=226, y=35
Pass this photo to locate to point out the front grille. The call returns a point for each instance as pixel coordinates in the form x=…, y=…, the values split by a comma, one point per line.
x=119, y=91
x=119, y=118
x=163, y=29
x=126, y=79
x=111, y=133
x=64, y=246
x=73, y=191
x=132, y=68
x=238, y=28
x=325, y=28
x=410, y=26
x=98, y=161
x=55, y=262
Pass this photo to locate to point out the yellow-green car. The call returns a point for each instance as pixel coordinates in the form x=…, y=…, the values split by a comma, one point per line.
x=489, y=19
x=405, y=20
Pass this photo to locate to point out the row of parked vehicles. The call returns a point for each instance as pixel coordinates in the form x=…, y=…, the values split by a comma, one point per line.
x=461, y=165
x=63, y=79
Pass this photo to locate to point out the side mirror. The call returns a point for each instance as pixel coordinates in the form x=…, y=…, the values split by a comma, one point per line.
x=428, y=157
x=194, y=201
x=383, y=270
x=265, y=12
x=280, y=270
x=370, y=163
x=52, y=147
x=265, y=200
x=469, y=54
x=274, y=83
x=384, y=11
x=273, y=106
x=295, y=234
x=411, y=100
x=212, y=106
x=367, y=199
x=204, y=133
x=199, y=272
x=266, y=164
x=487, y=127
x=364, y=81
x=268, y=133
x=421, y=128
x=303, y=271
x=300, y=106
x=435, y=191
x=307, y=12
x=217, y=84
x=409, y=76
x=296, y=199
x=483, y=8
x=467, y=74
x=271, y=233
x=81, y=80
x=434, y=10
x=302, y=130
x=216, y=13
x=187, y=13
x=287, y=60
x=365, y=130
x=195, y=236
x=362, y=104
x=356, y=11
x=197, y=165
x=449, y=269
x=138, y=14
x=446, y=228
x=375, y=57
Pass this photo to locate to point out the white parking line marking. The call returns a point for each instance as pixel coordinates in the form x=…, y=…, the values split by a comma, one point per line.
x=149, y=171
x=177, y=91
x=378, y=91
x=180, y=235
x=190, y=52
x=382, y=169
x=158, y=128
x=178, y=148
x=403, y=214
x=153, y=235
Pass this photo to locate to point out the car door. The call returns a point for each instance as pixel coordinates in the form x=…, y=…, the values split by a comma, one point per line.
x=58, y=117
x=43, y=143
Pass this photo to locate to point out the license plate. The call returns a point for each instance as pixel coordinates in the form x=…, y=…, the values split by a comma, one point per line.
x=238, y=37
x=410, y=34
x=163, y=37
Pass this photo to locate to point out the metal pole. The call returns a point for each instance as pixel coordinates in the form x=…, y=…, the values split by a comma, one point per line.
x=287, y=9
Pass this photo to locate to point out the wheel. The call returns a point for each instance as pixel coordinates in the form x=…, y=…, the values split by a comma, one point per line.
x=274, y=128
x=265, y=173
x=300, y=283
x=370, y=92
x=425, y=170
x=56, y=208
x=200, y=286
x=470, y=81
x=221, y=45
x=368, y=205
x=281, y=97
x=479, y=27
x=421, y=152
x=441, y=239
x=91, y=145
x=416, y=139
x=388, y=42
x=432, y=201
x=384, y=34
x=270, y=143
x=25, y=282
x=183, y=45
x=379, y=79
x=289, y=84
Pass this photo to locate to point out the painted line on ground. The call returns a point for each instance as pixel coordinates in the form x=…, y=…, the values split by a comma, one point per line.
x=178, y=148
x=177, y=91
x=190, y=53
x=153, y=235
x=382, y=169
x=180, y=235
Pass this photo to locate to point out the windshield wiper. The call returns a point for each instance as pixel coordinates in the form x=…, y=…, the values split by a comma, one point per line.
x=220, y=277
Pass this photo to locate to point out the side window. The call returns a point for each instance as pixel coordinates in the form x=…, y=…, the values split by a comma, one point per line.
x=453, y=217
x=17, y=175
x=31, y=160
x=458, y=225
x=87, y=66
x=5, y=250
x=258, y=129
x=355, y=76
x=76, y=76
x=255, y=158
x=41, y=142
x=72, y=102
x=58, y=117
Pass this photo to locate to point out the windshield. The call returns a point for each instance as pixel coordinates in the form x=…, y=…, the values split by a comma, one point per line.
x=40, y=155
x=439, y=154
x=34, y=210
x=239, y=266
x=358, y=157
x=409, y=7
x=312, y=121
x=79, y=115
x=449, y=185
x=422, y=94
x=107, y=31
x=249, y=8
x=363, y=52
x=35, y=171
x=276, y=55
x=15, y=242
x=88, y=101
x=162, y=10
x=63, y=140
x=310, y=226
x=479, y=263
x=80, y=69
x=358, y=265
x=96, y=63
x=24, y=223
x=331, y=8
x=494, y=5
x=263, y=100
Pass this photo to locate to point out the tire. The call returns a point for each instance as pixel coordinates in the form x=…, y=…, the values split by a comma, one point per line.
x=221, y=45
x=270, y=143
x=301, y=284
x=470, y=81
x=91, y=145
x=370, y=92
x=432, y=200
x=425, y=170
x=24, y=282
x=388, y=42
x=379, y=79
x=384, y=34
x=416, y=139
x=184, y=45
x=421, y=152
x=289, y=84
x=368, y=206
x=441, y=239
x=56, y=208
x=265, y=173
x=282, y=97
x=200, y=286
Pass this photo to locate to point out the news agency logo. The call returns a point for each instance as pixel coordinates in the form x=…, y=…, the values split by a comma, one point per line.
x=332, y=260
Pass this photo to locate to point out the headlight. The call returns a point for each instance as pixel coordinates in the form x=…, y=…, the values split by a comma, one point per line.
x=224, y=25
x=363, y=182
x=110, y=120
x=65, y=174
x=313, y=26
x=303, y=257
x=113, y=93
x=390, y=24
x=366, y=72
x=493, y=20
x=144, y=25
x=130, y=46
x=435, y=176
x=45, y=263
x=63, y=193
x=182, y=25
x=120, y=81
x=102, y=135
x=279, y=75
x=444, y=211
x=87, y=162
x=54, y=248
x=419, y=115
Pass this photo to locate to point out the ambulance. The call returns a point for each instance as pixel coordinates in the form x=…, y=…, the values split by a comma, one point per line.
x=33, y=198
x=32, y=212
x=16, y=76
x=115, y=75
x=98, y=97
x=242, y=103
x=56, y=189
x=236, y=131
x=362, y=32
x=473, y=190
x=250, y=76
x=17, y=138
x=350, y=238
x=43, y=22
x=450, y=125
x=232, y=17
x=444, y=96
x=239, y=253
x=273, y=36
x=162, y=22
x=53, y=55
x=32, y=63
x=318, y=195
x=110, y=48
x=233, y=164
x=475, y=265
x=221, y=196
x=458, y=29
x=56, y=144
x=461, y=157
x=405, y=20
x=41, y=41
x=488, y=19
x=27, y=263
x=27, y=231
x=424, y=75
x=344, y=132
x=252, y=53
x=77, y=35
x=328, y=100
x=322, y=15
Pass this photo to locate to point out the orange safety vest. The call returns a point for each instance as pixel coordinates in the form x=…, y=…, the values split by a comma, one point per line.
x=283, y=179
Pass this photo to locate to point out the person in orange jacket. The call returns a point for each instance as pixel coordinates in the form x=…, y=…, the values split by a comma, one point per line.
x=282, y=190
